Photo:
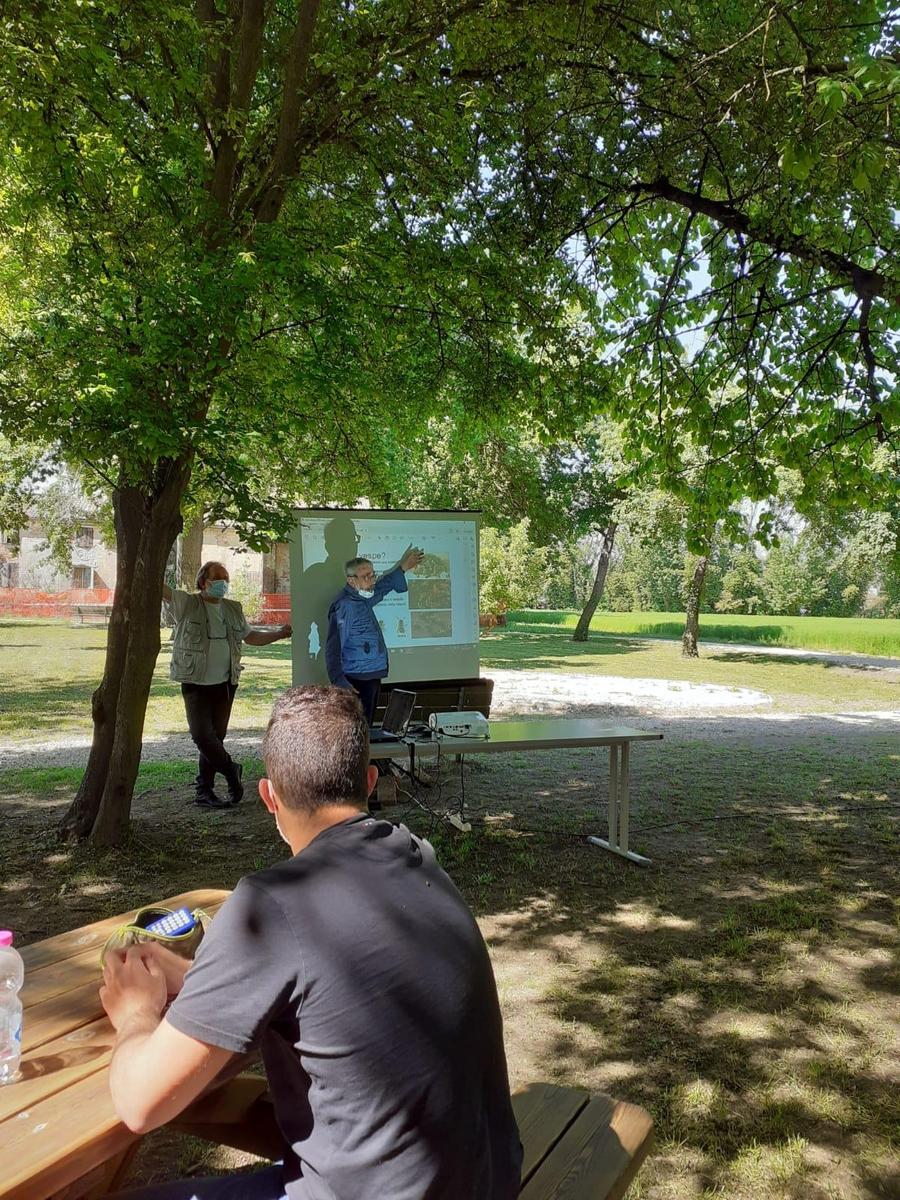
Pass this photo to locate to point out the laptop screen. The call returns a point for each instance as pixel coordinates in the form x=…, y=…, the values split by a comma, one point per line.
x=398, y=711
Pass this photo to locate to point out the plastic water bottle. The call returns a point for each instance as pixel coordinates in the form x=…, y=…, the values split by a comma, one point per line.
x=12, y=976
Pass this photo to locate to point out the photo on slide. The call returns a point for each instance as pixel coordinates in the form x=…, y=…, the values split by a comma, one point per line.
x=434, y=566
x=428, y=593
x=426, y=624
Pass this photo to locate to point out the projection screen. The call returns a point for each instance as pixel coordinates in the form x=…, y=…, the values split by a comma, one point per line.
x=431, y=631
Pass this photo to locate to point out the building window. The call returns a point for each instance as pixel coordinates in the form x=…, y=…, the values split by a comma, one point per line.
x=9, y=574
x=83, y=577
x=84, y=538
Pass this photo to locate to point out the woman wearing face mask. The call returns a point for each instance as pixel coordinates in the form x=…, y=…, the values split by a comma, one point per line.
x=355, y=654
x=206, y=661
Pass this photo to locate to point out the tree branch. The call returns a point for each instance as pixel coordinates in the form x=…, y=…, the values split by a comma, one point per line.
x=862, y=281
x=284, y=156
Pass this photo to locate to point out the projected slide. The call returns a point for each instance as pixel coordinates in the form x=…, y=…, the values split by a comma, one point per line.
x=431, y=630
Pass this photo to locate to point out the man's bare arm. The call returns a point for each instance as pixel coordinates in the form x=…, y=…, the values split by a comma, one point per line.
x=156, y=1071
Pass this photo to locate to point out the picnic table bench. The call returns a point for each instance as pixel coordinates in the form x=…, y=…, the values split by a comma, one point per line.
x=577, y=1146
x=60, y=1136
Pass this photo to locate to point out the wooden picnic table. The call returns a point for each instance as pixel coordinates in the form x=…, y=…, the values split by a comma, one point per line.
x=60, y=1136
x=58, y=1129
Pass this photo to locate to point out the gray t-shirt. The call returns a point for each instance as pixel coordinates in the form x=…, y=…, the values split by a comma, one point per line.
x=360, y=973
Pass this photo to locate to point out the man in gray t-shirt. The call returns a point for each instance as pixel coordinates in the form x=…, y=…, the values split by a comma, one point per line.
x=360, y=974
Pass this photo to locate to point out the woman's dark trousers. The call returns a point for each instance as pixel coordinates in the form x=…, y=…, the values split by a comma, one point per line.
x=208, y=707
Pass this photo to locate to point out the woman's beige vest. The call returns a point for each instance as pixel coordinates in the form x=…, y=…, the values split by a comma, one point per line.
x=190, y=647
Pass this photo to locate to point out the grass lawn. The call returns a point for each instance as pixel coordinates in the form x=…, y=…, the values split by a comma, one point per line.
x=795, y=684
x=48, y=670
x=743, y=987
x=855, y=635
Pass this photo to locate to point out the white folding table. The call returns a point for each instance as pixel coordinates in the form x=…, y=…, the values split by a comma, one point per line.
x=555, y=733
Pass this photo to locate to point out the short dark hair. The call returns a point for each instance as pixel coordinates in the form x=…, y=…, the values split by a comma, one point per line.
x=203, y=573
x=352, y=565
x=316, y=748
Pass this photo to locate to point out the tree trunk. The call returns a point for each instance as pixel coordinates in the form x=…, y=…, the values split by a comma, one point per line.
x=191, y=554
x=146, y=527
x=584, y=621
x=690, y=637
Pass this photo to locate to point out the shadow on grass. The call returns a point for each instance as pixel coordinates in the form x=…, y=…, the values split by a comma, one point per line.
x=747, y=1007
x=44, y=705
x=669, y=630
x=748, y=657
x=534, y=651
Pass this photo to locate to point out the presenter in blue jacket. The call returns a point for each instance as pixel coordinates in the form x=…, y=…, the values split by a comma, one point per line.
x=355, y=654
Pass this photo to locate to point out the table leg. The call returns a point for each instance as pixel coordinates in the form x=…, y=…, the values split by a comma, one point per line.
x=613, y=824
x=618, y=807
x=623, y=798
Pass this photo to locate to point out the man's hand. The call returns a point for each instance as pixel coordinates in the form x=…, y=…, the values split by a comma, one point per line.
x=412, y=556
x=134, y=985
x=172, y=965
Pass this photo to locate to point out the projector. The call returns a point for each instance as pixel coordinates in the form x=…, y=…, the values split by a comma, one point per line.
x=460, y=724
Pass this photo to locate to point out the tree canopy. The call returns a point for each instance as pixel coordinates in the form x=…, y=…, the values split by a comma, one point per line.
x=724, y=180
x=249, y=247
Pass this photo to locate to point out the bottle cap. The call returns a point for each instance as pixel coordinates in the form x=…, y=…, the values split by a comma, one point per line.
x=6, y=937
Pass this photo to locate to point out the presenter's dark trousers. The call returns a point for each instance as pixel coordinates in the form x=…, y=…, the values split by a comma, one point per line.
x=367, y=690
x=208, y=708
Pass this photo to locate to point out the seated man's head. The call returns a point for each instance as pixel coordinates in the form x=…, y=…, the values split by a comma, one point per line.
x=360, y=574
x=316, y=752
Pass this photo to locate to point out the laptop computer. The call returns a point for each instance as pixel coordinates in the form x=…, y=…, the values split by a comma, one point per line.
x=396, y=717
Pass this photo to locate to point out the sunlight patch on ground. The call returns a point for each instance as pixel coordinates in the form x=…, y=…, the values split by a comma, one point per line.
x=552, y=692
x=750, y=1026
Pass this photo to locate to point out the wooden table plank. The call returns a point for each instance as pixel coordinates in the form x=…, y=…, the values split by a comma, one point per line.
x=544, y=1111
x=77, y=941
x=599, y=1155
x=56, y=1066
x=61, y=1015
x=60, y=977
x=50, y=1145
x=57, y=1123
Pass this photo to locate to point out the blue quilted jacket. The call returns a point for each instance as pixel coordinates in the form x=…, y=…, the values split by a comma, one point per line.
x=355, y=643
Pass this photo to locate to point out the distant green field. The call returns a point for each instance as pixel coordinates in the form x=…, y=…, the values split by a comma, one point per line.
x=854, y=635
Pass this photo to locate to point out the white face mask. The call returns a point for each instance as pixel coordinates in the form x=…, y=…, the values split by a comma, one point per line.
x=365, y=593
x=281, y=833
